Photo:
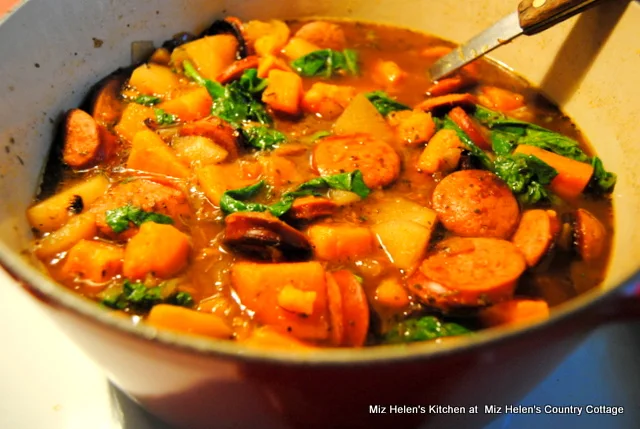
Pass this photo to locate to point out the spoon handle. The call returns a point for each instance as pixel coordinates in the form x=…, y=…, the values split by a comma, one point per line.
x=538, y=15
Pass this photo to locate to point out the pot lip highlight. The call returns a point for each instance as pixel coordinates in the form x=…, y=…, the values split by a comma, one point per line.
x=54, y=295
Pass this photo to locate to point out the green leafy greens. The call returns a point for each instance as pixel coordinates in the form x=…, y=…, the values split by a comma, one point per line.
x=602, y=180
x=138, y=297
x=147, y=100
x=327, y=63
x=164, y=118
x=238, y=200
x=475, y=151
x=423, y=329
x=526, y=175
x=508, y=133
x=119, y=219
x=262, y=137
x=237, y=101
x=384, y=103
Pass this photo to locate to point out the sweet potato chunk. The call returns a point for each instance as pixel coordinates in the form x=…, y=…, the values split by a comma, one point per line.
x=94, y=261
x=260, y=285
x=159, y=250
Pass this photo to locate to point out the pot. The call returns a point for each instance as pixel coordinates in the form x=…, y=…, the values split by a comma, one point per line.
x=589, y=65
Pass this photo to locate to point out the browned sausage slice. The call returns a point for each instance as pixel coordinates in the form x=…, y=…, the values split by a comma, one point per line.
x=476, y=203
x=589, y=234
x=265, y=236
x=235, y=70
x=107, y=103
x=218, y=130
x=308, y=208
x=446, y=102
x=378, y=162
x=468, y=272
x=536, y=234
x=82, y=145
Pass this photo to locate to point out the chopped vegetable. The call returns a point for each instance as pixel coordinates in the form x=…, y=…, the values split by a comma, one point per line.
x=154, y=79
x=52, y=213
x=284, y=92
x=189, y=321
x=138, y=297
x=157, y=249
x=514, y=311
x=150, y=153
x=233, y=201
x=263, y=138
x=147, y=100
x=93, y=261
x=259, y=285
x=475, y=151
x=602, y=180
x=119, y=219
x=327, y=63
x=423, y=329
x=164, y=118
x=508, y=132
x=190, y=106
x=239, y=100
x=339, y=242
x=572, y=176
x=526, y=175
x=384, y=103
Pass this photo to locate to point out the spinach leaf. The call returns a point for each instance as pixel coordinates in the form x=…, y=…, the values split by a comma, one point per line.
x=118, y=219
x=237, y=200
x=238, y=105
x=164, y=118
x=507, y=133
x=319, y=135
x=423, y=329
x=326, y=63
x=475, y=151
x=147, y=100
x=384, y=103
x=215, y=89
x=352, y=182
x=136, y=296
x=251, y=83
x=236, y=102
x=602, y=180
x=525, y=175
x=182, y=299
x=262, y=137
x=351, y=61
x=518, y=132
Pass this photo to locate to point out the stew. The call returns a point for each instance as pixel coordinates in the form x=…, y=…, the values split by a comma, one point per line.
x=304, y=184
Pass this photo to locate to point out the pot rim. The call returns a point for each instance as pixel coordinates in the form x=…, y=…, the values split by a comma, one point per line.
x=55, y=295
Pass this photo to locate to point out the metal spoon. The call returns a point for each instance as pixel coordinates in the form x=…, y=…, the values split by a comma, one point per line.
x=532, y=16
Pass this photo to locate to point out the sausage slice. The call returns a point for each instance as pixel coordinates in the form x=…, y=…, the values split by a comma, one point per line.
x=476, y=203
x=378, y=162
x=82, y=146
x=536, y=234
x=589, y=235
x=309, y=208
x=468, y=272
x=266, y=237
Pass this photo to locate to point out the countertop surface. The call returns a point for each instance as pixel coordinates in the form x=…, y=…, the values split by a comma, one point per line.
x=46, y=382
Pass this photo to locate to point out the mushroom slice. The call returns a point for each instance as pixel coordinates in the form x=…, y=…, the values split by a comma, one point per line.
x=264, y=236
